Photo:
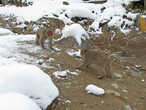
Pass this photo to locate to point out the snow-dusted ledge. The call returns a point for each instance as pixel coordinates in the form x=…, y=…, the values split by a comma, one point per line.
x=93, y=89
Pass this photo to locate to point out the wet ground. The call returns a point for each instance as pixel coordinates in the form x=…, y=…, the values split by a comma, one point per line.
x=126, y=90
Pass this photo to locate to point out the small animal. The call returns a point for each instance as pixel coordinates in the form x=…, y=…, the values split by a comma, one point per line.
x=98, y=57
x=48, y=32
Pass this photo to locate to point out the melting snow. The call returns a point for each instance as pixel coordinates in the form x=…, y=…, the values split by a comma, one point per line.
x=30, y=81
x=74, y=53
x=100, y=13
x=21, y=78
x=94, y=89
x=16, y=101
x=63, y=74
x=76, y=31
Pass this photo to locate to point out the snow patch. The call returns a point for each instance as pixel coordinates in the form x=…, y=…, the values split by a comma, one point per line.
x=100, y=13
x=30, y=81
x=63, y=74
x=93, y=89
x=60, y=74
x=74, y=52
x=16, y=101
x=5, y=31
x=76, y=31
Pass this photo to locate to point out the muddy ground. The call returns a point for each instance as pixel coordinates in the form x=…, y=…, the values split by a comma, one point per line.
x=126, y=90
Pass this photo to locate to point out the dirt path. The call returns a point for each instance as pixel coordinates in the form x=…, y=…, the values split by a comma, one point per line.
x=127, y=88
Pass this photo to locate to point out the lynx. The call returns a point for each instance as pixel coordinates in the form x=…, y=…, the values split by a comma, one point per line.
x=98, y=57
x=48, y=32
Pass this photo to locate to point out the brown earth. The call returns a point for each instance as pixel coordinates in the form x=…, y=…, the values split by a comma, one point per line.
x=126, y=87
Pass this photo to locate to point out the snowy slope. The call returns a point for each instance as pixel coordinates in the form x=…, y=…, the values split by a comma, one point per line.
x=100, y=13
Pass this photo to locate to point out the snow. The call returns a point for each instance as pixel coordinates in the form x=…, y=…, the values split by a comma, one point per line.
x=74, y=52
x=5, y=61
x=76, y=31
x=16, y=101
x=95, y=0
x=132, y=15
x=91, y=88
x=143, y=16
x=100, y=13
x=60, y=74
x=5, y=31
x=74, y=1
x=9, y=47
x=63, y=74
x=28, y=80
x=79, y=12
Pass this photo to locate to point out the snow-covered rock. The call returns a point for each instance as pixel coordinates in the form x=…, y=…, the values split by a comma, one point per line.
x=16, y=101
x=76, y=31
x=11, y=47
x=30, y=81
x=93, y=89
x=60, y=74
x=74, y=52
x=5, y=61
x=63, y=74
x=4, y=31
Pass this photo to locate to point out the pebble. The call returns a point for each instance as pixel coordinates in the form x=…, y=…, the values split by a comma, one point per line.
x=118, y=75
x=113, y=92
x=127, y=107
x=124, y=90
x=115, y=85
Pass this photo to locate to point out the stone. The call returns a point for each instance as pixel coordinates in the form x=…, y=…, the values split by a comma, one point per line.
x=115, y=85
x=113, y=92
x=127, y=107
x=117, y=75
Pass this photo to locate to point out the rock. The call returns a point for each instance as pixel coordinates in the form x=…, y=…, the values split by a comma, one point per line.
x=94, y=89
x=127, y=107
x=115, y=85
x=142, y=80
x=117, y=75
x=134, y=73
x=65, y=3
x=113, y=92
x=124, y=90
x=40, y=62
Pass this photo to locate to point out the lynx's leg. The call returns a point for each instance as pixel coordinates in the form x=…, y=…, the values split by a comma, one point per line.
x=108, y=71
x=37, y=39
x=50, y=42
x=105, y=71
x=85, y=64
x=41, y=42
